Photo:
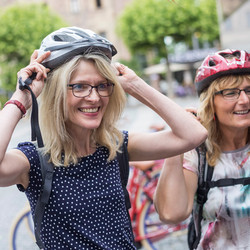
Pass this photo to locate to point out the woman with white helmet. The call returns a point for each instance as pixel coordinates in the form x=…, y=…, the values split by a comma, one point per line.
x=82, y=96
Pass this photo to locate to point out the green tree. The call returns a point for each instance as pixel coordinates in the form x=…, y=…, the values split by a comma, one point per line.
x=22, y=29
x=144, y=23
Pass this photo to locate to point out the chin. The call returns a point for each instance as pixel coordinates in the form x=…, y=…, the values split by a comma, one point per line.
x=93, y=125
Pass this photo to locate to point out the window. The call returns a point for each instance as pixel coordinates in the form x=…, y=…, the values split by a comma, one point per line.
x=98, y=3
x=74, y=6
x=228, y=24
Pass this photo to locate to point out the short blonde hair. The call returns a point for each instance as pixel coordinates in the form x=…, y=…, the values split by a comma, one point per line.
x=206, y=112
x=53, y=112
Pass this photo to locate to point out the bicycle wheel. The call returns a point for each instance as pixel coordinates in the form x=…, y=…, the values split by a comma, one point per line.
x=23, y=221
x=141, y=195
x=151, y=229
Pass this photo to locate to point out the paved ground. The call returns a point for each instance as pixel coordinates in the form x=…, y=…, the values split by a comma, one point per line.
x=12, y=202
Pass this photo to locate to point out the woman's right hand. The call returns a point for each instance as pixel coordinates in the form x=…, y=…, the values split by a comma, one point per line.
x=37, y=84
x=193, y=111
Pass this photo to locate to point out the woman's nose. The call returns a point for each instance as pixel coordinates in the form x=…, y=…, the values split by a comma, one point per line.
x=93, y=95
x=243, y=97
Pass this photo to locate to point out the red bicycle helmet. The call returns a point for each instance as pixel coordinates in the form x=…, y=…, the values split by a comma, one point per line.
x=221, y=63
x=68, y=42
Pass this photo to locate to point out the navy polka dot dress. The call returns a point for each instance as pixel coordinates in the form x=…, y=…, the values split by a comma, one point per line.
x=86, y=208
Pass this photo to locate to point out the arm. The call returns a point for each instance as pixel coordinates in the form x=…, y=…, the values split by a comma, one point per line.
x=186, y=132
x=175, y=191
x=14, y=165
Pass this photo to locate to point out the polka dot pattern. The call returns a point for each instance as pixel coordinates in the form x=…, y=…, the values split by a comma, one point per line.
x=86, y=208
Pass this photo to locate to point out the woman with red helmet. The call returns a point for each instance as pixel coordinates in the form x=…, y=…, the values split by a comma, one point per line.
x=80, y=104
x=223, y=84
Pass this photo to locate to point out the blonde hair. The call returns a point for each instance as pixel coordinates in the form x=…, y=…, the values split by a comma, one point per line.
x=54, y=112
x=206, y=113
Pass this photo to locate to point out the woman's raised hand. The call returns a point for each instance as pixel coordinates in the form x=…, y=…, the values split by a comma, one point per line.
x=36, y=67
x=193, y=111
x=127, y=77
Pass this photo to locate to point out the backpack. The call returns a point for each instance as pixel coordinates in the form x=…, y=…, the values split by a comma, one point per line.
x=47, y=169
x=204, y=185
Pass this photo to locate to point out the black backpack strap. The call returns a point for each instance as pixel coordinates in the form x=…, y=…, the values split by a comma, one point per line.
x=202, y=192
x=229, y=182
x=47, y=169
x=123, y=160
x=205, y=175
x=35, y=128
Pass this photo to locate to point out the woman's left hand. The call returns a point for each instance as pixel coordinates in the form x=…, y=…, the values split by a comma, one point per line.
x=127, y=77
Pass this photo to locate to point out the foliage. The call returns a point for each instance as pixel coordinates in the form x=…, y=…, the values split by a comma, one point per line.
x=144, y=23
x=3, y=99
x=22, y=29
x=135, y=63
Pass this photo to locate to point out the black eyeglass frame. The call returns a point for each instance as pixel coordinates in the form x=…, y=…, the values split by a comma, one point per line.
x=221, y=92
x=92, y=87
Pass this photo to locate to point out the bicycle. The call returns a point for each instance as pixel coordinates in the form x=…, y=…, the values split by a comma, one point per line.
x=147, y=227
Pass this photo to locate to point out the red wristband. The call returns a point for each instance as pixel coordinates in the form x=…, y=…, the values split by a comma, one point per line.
x=18, y=104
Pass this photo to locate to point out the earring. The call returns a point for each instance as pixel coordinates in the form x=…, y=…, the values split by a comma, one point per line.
x=214, y=117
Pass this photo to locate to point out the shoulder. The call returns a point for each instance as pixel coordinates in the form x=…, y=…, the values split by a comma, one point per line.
x=23, y=146
x=190, y=161
x=125, y=137
x=29, y=149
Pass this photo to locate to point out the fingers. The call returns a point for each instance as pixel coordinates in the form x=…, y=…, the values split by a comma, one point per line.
x=120, y=68
x=35, y=67
x=34, y=57
x=43, y=57
x=114, y=65
x=192, y=110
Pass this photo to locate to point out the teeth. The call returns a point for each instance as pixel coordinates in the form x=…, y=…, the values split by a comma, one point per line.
x=93, y=110
x=242, y=112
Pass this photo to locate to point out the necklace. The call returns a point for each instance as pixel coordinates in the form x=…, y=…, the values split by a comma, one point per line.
x=243, y=161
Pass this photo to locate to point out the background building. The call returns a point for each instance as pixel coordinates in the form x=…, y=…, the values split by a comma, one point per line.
x=234, y=21
x=101, y=16
x=97, y=15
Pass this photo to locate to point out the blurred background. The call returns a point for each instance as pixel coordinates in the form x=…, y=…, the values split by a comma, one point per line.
x=164, y=41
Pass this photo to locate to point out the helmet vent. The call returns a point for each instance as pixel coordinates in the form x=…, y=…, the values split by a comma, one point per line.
x=237, y=54
x=211, y=63
x=63, y=38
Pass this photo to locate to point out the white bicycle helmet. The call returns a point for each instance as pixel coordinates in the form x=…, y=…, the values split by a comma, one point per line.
x=68, y=42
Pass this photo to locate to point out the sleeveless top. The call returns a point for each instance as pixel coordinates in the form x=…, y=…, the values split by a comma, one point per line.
x=86, y=209
x=226, y=223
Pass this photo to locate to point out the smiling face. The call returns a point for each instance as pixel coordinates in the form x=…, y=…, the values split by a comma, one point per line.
x=234, y=115
x=86, y=112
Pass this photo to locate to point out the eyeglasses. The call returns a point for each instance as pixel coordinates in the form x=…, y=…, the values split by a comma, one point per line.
x=233, y=94
x=81, y=90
